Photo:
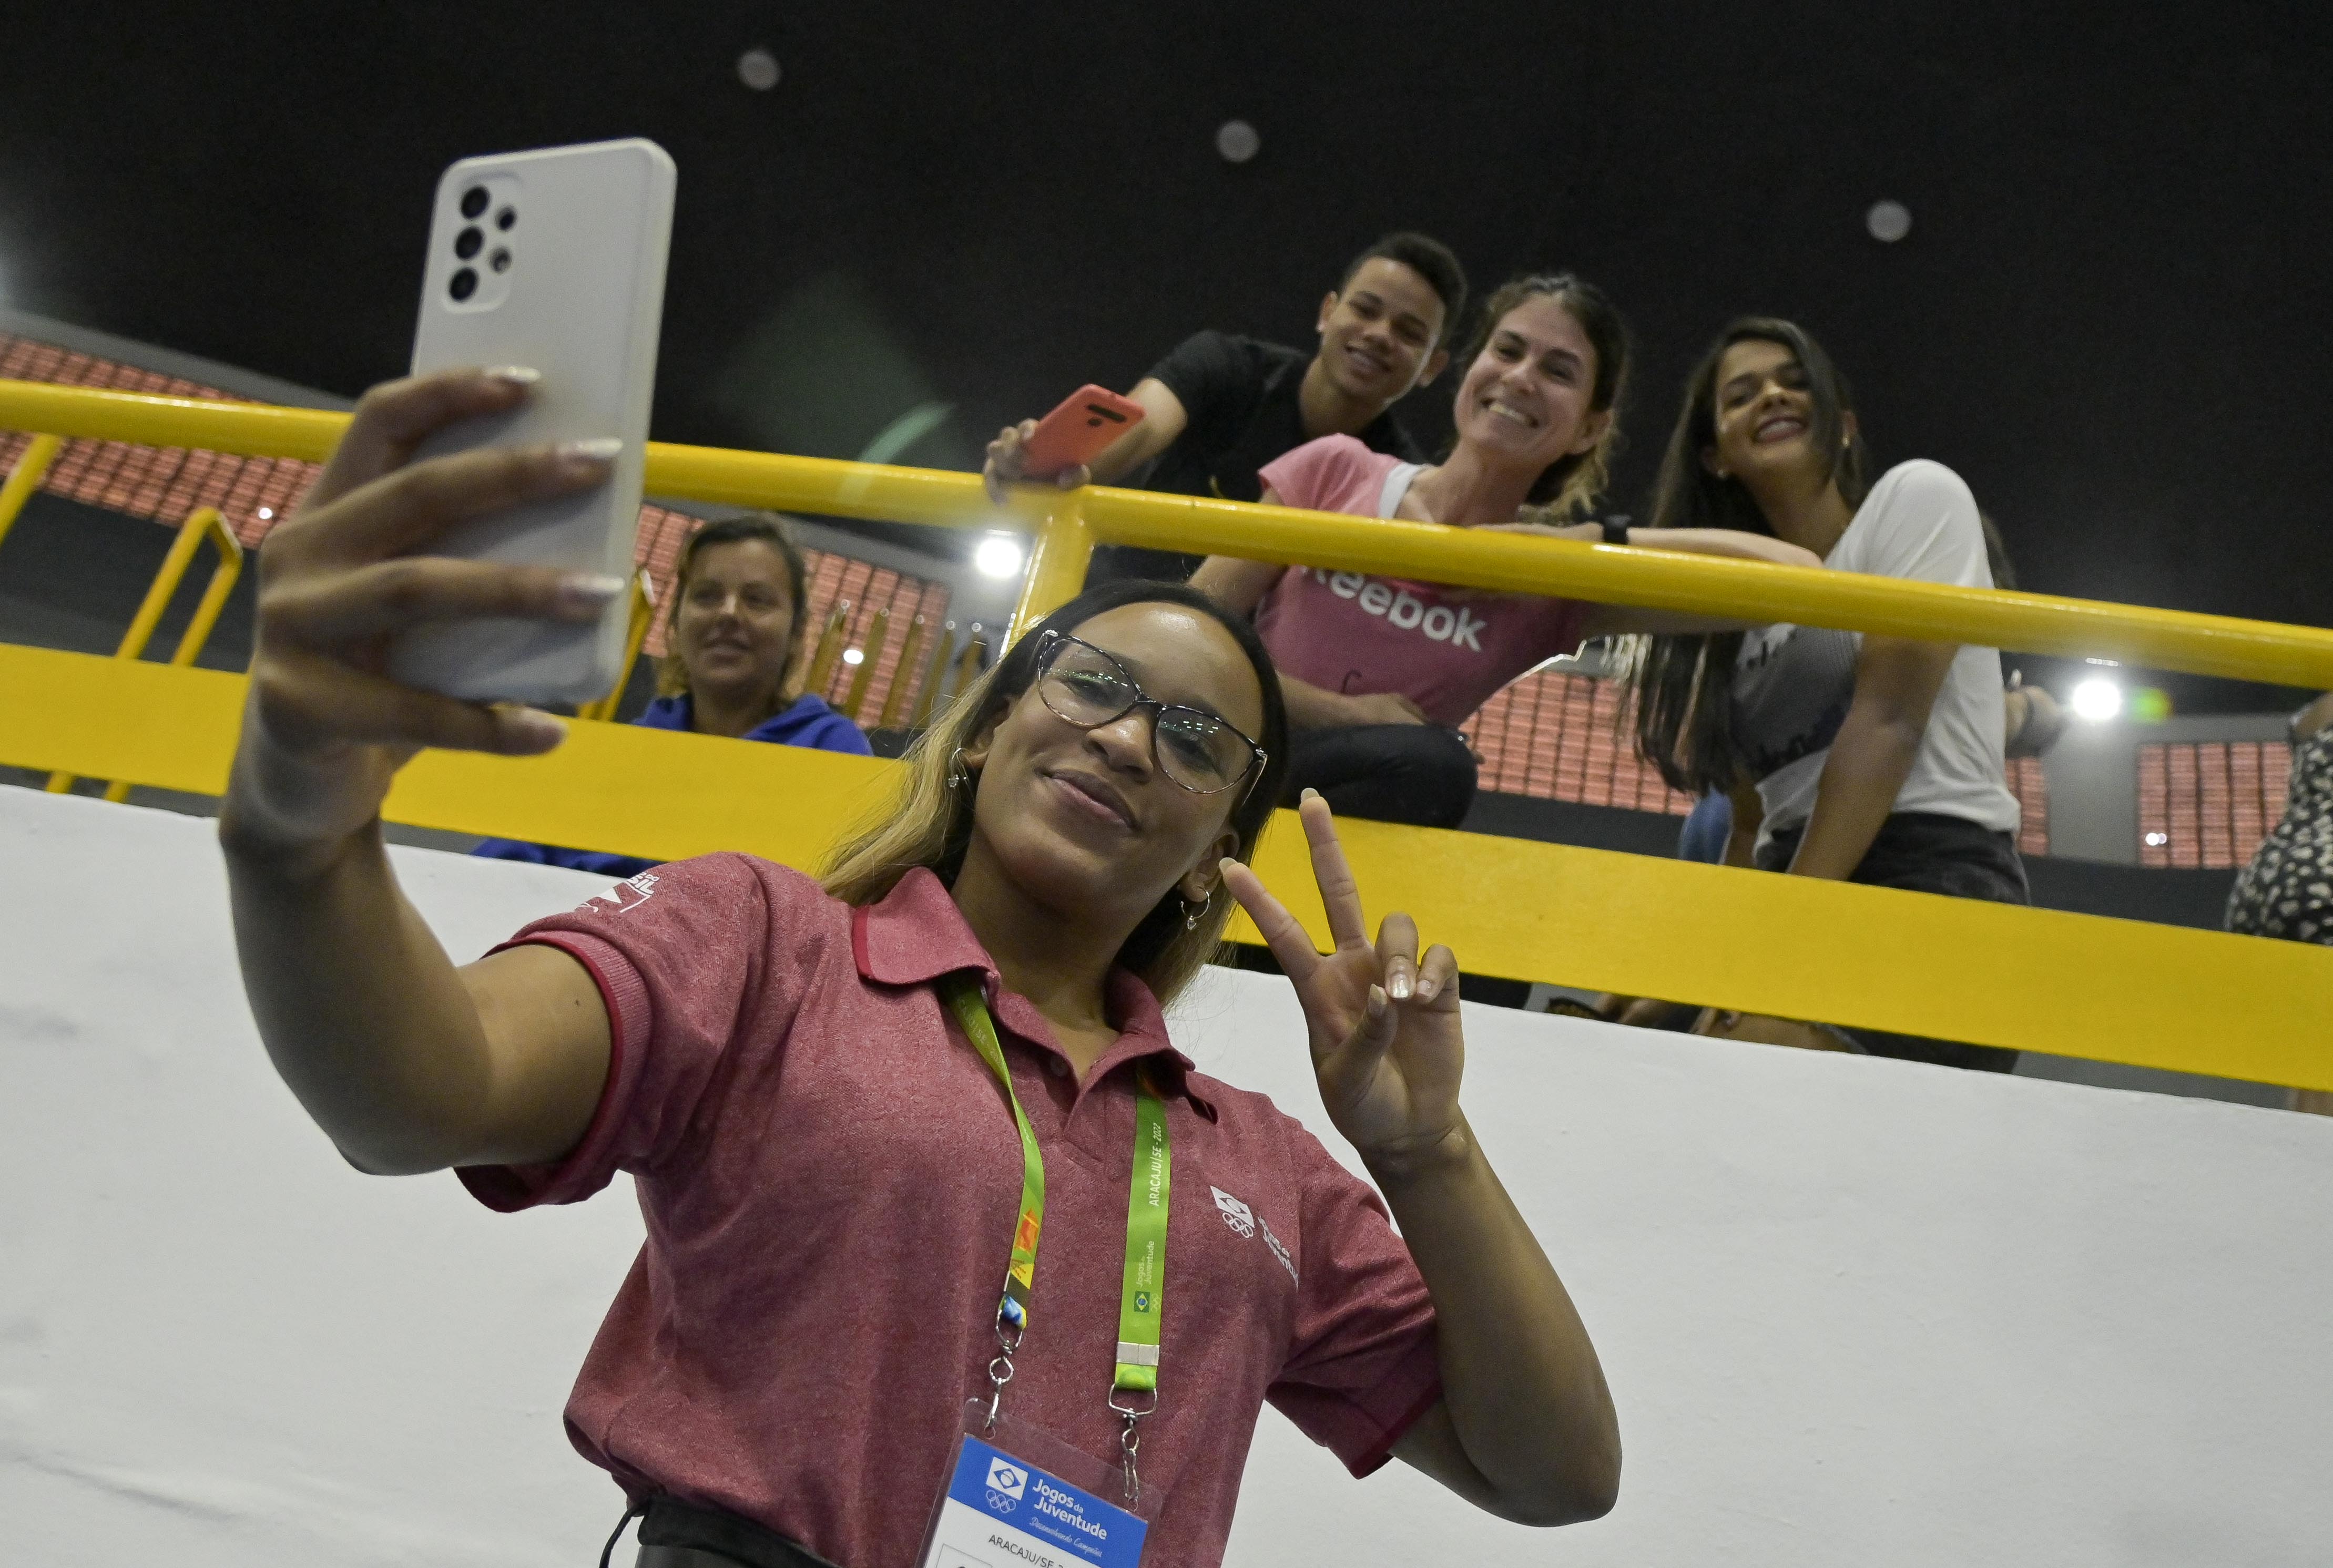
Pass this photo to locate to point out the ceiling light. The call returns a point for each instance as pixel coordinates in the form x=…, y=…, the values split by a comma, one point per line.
x=758, y=69
x=1237, y=141
x=854, y=656
x=1889, y=221
x=2157, y=840
x=2097, y=699
x=999, y=555
x=265, y=512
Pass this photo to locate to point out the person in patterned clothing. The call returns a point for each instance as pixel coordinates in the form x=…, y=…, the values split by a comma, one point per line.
x=2287, y=890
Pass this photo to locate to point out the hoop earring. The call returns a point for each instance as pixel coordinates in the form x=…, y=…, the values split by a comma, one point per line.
x=1192, y=912
x=956, y=771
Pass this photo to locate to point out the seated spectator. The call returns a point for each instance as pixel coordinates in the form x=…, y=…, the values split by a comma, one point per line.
x=2287, y=889
x=1219, y=407
x=1380, y=673
x=732, y=654
x=1876, y=759
x=1722, y=829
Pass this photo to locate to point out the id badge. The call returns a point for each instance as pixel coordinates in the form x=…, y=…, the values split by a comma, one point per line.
x=1018, y=1497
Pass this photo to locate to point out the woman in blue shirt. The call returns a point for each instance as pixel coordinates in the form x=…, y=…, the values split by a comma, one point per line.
x=730, y=662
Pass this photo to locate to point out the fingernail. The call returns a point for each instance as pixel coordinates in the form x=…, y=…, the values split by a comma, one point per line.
x=1310, y=794
x=1398, y=984
x=599, y=449
x=588, y=593
x=516, y=375
x=1377, y=1001
x=1425, y=990
x=534, y=727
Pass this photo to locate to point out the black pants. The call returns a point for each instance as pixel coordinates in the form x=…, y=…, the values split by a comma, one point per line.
x=678, y=1534
x=1924, y=852
x=1421, y=774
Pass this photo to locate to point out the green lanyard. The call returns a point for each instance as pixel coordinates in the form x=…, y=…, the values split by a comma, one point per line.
x=1144, y=1287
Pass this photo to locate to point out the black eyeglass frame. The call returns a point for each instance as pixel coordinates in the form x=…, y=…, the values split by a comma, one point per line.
x=1049, y=649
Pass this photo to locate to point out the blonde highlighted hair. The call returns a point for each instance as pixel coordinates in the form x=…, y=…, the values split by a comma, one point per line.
x=928, y=823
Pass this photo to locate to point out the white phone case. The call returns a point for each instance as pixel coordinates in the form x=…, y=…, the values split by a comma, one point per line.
x=565, y=274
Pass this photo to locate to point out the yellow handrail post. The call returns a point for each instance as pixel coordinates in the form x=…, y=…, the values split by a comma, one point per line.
x=32, y=467
x=206, y=524
x=635, y=635
x=903, y=675
x=879, y=632
x=1057, y=566
x=968, y=663
x=927, y=695
x=830, y=647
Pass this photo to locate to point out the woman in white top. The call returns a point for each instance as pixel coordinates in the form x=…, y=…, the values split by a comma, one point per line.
x=1873, y=759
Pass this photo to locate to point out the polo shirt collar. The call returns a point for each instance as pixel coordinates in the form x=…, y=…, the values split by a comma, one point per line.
x=915, y=934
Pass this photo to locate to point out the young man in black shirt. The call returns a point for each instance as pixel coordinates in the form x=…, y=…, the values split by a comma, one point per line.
x=1219, y=407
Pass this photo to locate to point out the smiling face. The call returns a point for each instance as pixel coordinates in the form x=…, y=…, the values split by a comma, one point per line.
x=1083, y=821
x=1526, y=398
x=1762, y=418
x=735, y=624
x=1378, y=333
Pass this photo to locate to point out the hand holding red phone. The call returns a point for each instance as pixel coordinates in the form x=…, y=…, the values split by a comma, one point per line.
x=1061, y=446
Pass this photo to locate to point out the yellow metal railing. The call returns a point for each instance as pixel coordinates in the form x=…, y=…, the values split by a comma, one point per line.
x=2075, y=985
x=1068, y=525
x=204, y=525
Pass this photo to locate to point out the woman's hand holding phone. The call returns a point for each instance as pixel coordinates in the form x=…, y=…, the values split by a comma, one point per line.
x=325, y=729
x=1008, y=462
x=1063, y=446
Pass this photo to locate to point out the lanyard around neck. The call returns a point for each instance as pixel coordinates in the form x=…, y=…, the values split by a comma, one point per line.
x=1144, y=1285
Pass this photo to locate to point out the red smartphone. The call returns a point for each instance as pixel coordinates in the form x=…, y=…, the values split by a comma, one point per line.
x=1079, y=431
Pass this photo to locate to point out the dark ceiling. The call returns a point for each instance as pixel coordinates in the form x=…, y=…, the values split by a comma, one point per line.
x=2107, y=315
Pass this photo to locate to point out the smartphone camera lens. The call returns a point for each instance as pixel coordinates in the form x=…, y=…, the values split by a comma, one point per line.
x=464, y=284
x=466, y=242
x=506, y=219
x=474, y=201
x=501, y=260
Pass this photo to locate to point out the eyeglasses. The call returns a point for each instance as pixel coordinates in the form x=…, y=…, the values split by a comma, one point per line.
x=1084, y=686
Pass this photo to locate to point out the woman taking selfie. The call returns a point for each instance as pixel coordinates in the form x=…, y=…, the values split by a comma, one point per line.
x=732, y=653
x=1380, y=673
x=1876, y=759
x=817, y=1087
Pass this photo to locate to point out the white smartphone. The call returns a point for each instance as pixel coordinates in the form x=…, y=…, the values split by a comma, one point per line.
x=556, y=259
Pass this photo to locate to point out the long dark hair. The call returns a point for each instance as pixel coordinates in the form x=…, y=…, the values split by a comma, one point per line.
x=761, y=528
x=1572, y=483
x=1684, y=686
x=930, y=824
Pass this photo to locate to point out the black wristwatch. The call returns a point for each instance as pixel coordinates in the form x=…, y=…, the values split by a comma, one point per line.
x=1615, y=528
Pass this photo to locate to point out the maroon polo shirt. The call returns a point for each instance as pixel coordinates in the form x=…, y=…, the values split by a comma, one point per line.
x=829, y=1178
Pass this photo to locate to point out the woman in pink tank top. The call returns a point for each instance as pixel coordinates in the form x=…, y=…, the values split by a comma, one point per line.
x=1378, y=672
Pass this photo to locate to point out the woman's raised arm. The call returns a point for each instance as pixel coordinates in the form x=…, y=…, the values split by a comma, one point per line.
x=405, y=1062
x=1525, y=1427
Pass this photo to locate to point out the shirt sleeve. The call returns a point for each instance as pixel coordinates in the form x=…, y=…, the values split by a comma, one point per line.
x=1362, y=1359
x=1210, y=377
x=681, y=957
x=1926, y=528
x=1315, y=475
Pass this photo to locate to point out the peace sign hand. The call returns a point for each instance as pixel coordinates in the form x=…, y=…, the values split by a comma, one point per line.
x=1388, y=1048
